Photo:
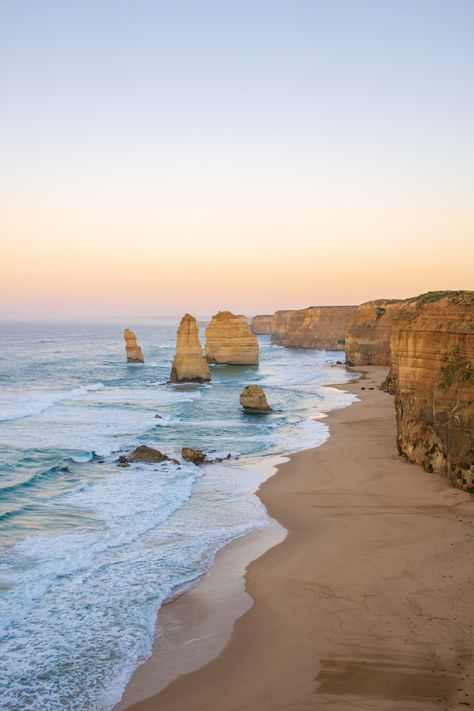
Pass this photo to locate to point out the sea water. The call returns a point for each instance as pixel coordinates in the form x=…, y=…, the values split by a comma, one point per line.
x=90, y=551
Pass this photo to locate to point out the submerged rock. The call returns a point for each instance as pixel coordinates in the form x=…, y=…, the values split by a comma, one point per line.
x=189, y=364
x=253, y=399
x=196, y=456
x=143, y=453
x=230, y=341
x=132, y=349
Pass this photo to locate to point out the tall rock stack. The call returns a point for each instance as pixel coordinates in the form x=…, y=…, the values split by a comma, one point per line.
x=229, y=340
x=432, y=376
x=368, y=337
x=132, y=349
x=189, y=364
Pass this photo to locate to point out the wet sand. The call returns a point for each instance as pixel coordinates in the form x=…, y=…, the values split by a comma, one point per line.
x=367, y=603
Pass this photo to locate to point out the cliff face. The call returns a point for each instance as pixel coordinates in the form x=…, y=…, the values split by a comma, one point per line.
x=368, y=337
x=262, y=324
x=229, y=340
x=432, y=375
x=315, y=327
x=132, y=350
x=189, y=364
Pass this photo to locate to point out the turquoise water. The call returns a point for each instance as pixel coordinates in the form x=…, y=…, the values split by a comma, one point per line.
x=90, y=551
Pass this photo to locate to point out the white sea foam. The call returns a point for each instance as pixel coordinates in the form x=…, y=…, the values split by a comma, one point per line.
x=14, y=406
x=79, y=601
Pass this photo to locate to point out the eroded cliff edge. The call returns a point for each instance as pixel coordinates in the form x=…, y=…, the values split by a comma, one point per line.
x=368, y=337
x=322, y=327
x=262, y=324
x=432, y=376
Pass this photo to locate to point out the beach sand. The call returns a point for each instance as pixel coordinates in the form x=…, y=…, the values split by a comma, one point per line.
x=366, y=604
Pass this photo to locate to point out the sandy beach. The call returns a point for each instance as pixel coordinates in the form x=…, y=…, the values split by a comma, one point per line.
x=366, y=604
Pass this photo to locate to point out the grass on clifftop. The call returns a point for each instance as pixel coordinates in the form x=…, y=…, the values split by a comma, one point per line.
x=463, y=298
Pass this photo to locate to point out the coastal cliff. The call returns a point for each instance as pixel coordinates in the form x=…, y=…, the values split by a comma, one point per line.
x=262, y=324
x=230, y=341
x=132, y=350
x=189, y=364
x=368, y=337
x=314, y=327
x=432, y=376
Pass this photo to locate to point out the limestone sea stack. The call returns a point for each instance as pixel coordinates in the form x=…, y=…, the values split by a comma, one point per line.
x=432, y=376
x=368, y=337
x=132, y=349
x=254, y=400
x=189, y=364
x=322, y=327
x=230, y=341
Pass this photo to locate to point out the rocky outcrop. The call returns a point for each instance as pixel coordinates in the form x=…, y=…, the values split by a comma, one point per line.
x=196, y=456
x=368, y=337
x=229, y=340
x=132, y=349
x=254, y=400
x=322, y=327
x=432, y=374
x=262, y=325
x=189, y=364
x=143, y=453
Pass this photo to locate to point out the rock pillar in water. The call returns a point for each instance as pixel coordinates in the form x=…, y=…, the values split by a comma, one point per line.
x=253, y=399
x=230, y=341
x=189, y=364
x=132, y=349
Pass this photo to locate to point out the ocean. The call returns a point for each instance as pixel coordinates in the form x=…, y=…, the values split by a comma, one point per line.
x=90, y=551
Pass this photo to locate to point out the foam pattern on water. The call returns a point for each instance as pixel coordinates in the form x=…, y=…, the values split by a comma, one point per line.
x=89, y=551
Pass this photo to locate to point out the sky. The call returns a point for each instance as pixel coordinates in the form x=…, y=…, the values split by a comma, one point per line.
x=163, y=157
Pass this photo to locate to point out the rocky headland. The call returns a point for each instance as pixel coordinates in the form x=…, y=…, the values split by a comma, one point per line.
x=322, y=327
x=230, y=341
x=262, y=325
x=189, y=364
x=132, y=350
x=368, y=336
x=432, y=377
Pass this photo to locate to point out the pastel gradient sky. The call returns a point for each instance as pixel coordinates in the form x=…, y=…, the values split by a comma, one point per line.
x=158, y=157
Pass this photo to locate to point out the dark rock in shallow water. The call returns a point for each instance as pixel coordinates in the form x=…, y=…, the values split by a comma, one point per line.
x=123, y=462
x=196, y=456
x=143, y=453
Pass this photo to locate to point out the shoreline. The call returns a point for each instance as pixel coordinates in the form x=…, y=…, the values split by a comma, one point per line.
x=194, y=625
x=354, y=609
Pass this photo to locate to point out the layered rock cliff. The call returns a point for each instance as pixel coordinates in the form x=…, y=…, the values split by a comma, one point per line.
x=315, y=327
x=432, y=374
x=189, y=364
x=262, y=324
x=132, y=350
x=368, y=337
x=229, y=340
